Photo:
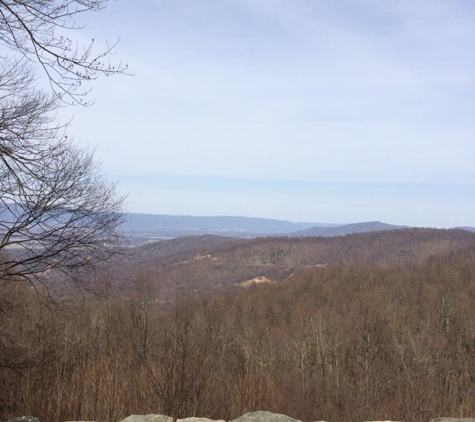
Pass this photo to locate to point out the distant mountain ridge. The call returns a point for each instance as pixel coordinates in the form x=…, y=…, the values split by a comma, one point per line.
x=370, y=226
x=138, y=221
x=470, y=229
x=143, y=228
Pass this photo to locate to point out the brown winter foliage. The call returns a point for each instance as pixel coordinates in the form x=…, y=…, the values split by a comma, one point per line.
x=209, y=263
x=359, y=339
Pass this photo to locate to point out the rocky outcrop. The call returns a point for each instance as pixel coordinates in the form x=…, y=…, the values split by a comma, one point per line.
x=260, y=416
x=263, y=416
x=199, y=420
x=148, y=418
x=453, y=420
x=24, y=419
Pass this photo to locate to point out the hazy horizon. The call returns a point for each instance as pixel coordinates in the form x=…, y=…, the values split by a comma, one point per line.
x=323, y=223
x=302, y=111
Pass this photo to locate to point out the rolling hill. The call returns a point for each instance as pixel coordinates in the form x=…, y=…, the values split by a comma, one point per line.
x=370, y=226
x=143, y=228
x=207, y=263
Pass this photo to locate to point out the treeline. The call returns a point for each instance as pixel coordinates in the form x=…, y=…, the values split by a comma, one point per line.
x=347, y=342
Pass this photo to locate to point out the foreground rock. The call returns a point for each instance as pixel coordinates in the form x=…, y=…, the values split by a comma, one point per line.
x=263, y=416
x=193, y=419
x=148, y=418
x=260, y=416
x=443, y=419
x=24, y=419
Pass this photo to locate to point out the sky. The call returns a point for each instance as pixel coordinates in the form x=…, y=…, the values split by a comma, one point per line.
x=303, y=110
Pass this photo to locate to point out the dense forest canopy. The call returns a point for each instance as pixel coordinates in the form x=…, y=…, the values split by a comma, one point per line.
x=353, y=340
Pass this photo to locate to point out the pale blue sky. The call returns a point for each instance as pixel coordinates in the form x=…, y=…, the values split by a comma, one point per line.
x=303, y=110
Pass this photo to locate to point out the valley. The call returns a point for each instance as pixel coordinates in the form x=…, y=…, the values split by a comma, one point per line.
x=208, y=263
x=366, y=326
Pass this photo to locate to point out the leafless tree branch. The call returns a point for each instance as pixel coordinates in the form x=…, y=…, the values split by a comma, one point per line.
x=57, y=213
x=31, y=28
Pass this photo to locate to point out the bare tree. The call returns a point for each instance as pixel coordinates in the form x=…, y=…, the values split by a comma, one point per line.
x=30, y=29
x=57, y=212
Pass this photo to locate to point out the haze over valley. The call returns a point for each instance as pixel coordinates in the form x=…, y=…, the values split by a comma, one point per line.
x=140, y=228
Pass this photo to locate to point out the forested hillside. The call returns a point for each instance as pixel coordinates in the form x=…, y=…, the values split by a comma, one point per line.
x=385, y=333
x=294, y=109
x=207, y=263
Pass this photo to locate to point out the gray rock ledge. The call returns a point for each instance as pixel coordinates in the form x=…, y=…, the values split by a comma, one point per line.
x=264, y=416
x=148, y=418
